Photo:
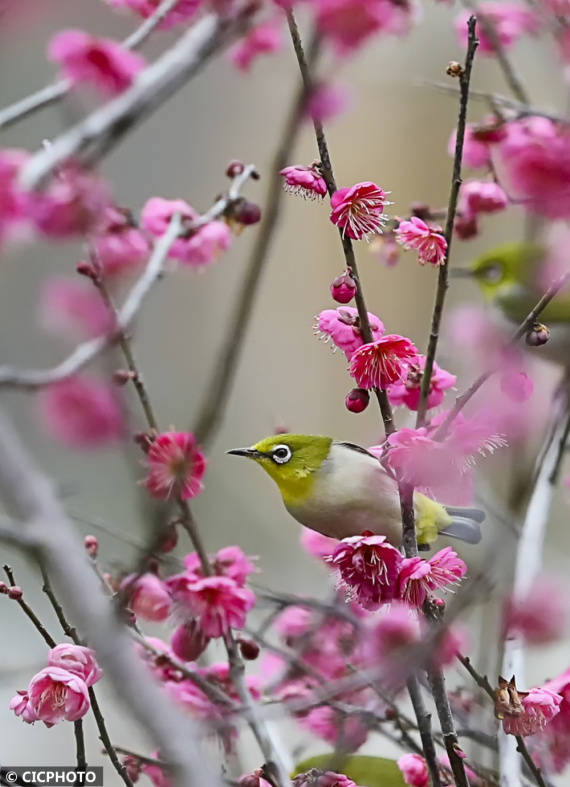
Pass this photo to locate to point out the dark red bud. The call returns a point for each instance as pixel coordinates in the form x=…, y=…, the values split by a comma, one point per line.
x=3, y=587
x=152, y=565
x=421, y=210
x=15, y=592
x=247, y=213
x=538, y=335
x=465, y=227
x=248, y=649
x=87, y=269
x=91, y=545
x=189, y=641
x=343, y=288
x=234, y=168
x=357, y=400
x=144, y=440
x=251, y=779
x=169, y=538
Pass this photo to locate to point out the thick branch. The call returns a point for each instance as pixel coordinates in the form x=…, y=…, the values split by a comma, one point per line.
x=443, y=274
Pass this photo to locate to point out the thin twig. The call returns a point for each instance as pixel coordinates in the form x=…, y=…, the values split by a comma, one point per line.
x=522, y=329
x=140, y=757
x=424, y=727
x=106, y=126
x=443, y=274
x=83, y=354
x=79, y=745
x=106, y=740
x=533, y=767
x=58, y=90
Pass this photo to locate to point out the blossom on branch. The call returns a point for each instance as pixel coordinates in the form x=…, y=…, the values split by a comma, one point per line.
x=359, y=210
x=382, y=362
x=414, y=770
x=342, y=326
x=305, y=181
x=147, y=595
x=407, y=390
x=176, y=466
x=78, y=660
x=182, y=11
x=369, y=567
x=428, y=241
x=56, y=695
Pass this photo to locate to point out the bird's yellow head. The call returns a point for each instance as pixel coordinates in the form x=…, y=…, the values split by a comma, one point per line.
x=504, y=268
x=291, y=460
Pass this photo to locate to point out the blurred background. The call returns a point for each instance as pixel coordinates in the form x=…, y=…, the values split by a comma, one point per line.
x=396, y=134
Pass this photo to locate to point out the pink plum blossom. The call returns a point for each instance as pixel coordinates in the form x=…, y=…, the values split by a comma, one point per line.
x=407, y=391
x=119, y=246
x=509, y=20
x=69, y=205
x=219, y=603
x=100, y=61
x=78, y=660
x=20, y=704
x=147, y=596
x=369, y=567
x=428, y=241
x=182, y=12
x=553, y=742
x=396, y=627
x=176, y=466
x=418, y=577
x=56, y=694
x=318, y=545
x=358, y=211
x=535, y=158
x=229, y=562
x=540, y=706
x=305, y=181
x=517, y=385
x=73, y=310
x=188, y=641
x=261, y=40
x=294, y=622
x=326, y=102
x=342, y=327
x=414, y=770
x=201, y=246
x=12, y=203
x=335, y=728
x=382, y=362
x=157, y=775
x=479, y=196
x=541, y=615
x=81, y=412
x=476, y=151
x=349, y=23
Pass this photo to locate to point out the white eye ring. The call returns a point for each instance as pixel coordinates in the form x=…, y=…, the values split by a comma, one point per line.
x=281, y=454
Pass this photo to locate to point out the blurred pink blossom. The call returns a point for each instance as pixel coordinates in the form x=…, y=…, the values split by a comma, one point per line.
x=541, y=615
x=182, y=12
x=318, y=545
x=480, y=196
x=414, y=770
x=219, y=603
x=119, y=246
x=517, y=385
x=327, y=101
x=476, y=152
x=349, y=23
x=334, y=727
x=509, y=20
x=102, y=62
x=12, y=203
x=81, y=412
x=147, y=596
x=261, y=40
x=176, y=466
x=188, y=641
x=73, y=310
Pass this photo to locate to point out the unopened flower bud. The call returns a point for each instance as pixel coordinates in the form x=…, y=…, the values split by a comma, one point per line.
x=248, y=649
x=250, y=779
x=123, y=376
x=144, y=440
x=132, y=767
x=538, y=335
x=189, y=641
x=3, y=587
x=234, y=168
x=246, y=212
x=15, y=592
x=466, y=227
x=421, y=210
x=343, y=288
x=153, y=566
x=454, y=69
x=91, y=545
x=87, y=269
x=169, y=538
x=357, y=400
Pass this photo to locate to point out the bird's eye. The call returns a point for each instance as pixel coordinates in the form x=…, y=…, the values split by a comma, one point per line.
x=494, y=273
x=281, y=454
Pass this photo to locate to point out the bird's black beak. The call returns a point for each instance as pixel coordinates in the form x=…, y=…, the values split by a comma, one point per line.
x=249, y=452
x=461, y=273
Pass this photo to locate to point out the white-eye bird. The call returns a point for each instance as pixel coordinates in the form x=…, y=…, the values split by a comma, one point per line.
x=341, y=490
x=510, y=277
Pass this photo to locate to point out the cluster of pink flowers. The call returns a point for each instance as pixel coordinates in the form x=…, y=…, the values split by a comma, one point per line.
x=60, y=691
x=407, y=390
x=262, y=40
x=375, y=572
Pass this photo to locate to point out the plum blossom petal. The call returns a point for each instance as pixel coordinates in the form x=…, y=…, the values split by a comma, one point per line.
x=176, y=466
x=382, y=362
x=427, y=241
x=56, y=694
x=359, y=210
x=369, y=567
x=342, y=327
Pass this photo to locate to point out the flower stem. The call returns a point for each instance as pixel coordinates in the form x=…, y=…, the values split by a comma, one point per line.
x=443, y=274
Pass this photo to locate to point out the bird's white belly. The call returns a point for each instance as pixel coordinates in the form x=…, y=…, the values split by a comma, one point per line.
x=351, y=493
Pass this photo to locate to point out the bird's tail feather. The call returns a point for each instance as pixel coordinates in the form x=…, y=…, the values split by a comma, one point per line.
x=465, y=524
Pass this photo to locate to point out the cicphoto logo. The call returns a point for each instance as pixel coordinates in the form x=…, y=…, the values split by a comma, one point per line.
x=51, y=775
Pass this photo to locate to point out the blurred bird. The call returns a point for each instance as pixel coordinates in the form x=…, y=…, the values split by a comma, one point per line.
x=509, y=277
x=341, y=490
